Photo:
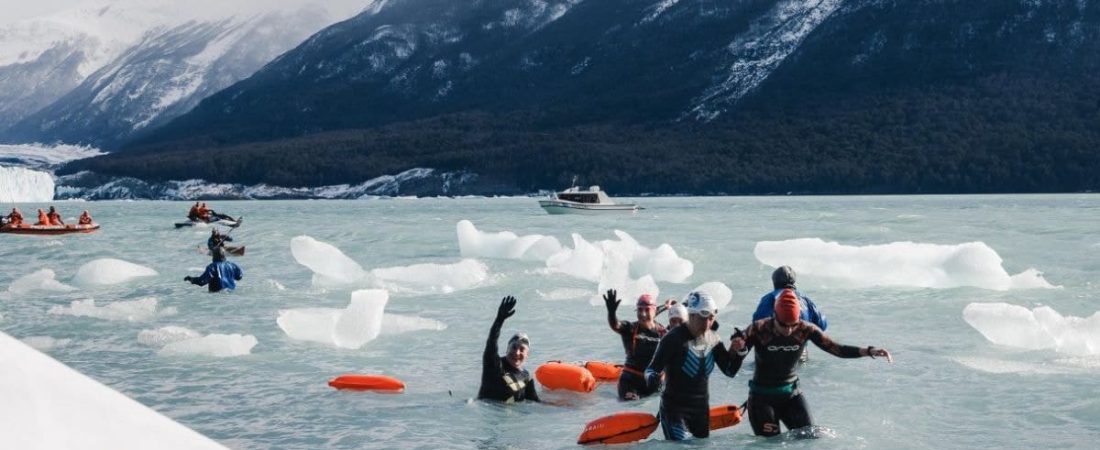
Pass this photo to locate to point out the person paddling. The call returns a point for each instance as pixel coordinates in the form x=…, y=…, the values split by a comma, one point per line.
x=774, y=393
x=43, y=219
x=640, y=341
x=220, y=274
x=85, y=218
x=503, y=378
x=15, y=219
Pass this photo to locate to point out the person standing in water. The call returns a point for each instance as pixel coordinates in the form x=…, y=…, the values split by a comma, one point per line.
x=687, y=355
x=677, y=315
x=774, y=394
x=783, y=278
x=640, y=341
x=220, y=274
x=503, y=378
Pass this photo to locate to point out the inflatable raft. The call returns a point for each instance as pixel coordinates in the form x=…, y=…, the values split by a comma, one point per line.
x=48, y=230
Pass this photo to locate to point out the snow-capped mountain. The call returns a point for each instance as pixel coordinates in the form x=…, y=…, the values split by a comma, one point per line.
x=96, y=75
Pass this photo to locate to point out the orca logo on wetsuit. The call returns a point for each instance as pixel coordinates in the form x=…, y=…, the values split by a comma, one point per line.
x=785, y=348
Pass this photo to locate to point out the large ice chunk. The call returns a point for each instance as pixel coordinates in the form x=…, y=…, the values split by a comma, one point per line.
x=330, y=266
x=897, y=264
x=106, y=271
x=1036, y=329
x=584, y=260
x=40, y=280
x=165, y=335
x=721, y=293
x=131, y=311
x=352, y=327
x=216, y=345
x=431, y=278
x=505, y=244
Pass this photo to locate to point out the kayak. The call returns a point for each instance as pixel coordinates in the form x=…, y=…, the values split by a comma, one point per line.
x=48, y=230
x=235, y=251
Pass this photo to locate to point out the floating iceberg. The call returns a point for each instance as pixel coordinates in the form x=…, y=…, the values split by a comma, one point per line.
x=40, y=280
x=216, y=345
x=130, y=311
x=898, y=264
x=352, y=327
x=105, y=271
x=1041, y=328
x=330, y=266
x=504, y=245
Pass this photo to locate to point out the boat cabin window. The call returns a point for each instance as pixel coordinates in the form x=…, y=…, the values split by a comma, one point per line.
x=579, y=198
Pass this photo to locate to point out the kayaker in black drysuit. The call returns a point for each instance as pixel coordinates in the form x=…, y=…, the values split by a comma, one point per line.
x=217, y=239
x=687, y=355
x=640, y=341
x=503, y=378
x=774, y=394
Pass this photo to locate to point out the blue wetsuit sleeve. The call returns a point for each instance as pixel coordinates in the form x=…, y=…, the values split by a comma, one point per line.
x=815, y=314
x=765, y=309
x=204, y=279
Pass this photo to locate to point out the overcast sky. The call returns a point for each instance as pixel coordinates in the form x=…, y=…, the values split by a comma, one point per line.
x=13, y=10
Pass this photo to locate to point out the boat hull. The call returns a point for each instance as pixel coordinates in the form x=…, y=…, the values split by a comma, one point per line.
x=563, y=207
x=49, y=230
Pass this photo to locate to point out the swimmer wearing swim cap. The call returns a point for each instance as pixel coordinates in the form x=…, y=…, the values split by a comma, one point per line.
x=640, y=341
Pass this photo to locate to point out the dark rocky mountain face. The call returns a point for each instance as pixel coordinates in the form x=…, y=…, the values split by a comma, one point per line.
x=747, y=96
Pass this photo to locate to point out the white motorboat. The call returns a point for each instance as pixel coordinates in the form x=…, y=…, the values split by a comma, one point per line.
x=578, y=201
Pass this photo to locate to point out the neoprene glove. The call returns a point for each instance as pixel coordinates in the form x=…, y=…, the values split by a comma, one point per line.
x=187, y=278
x=611, y=300
x=507, y=308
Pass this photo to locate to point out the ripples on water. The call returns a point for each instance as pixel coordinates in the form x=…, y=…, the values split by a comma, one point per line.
x=950, y=387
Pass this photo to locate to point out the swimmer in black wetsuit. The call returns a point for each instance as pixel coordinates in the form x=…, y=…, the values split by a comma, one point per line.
x=640, y=342
x=687, y=355
x=774, y=395
x=503, y=378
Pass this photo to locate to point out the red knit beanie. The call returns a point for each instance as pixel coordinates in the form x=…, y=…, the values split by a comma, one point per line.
x=786, y=306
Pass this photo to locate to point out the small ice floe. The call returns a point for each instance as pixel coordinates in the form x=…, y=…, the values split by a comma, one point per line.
x=131, y=311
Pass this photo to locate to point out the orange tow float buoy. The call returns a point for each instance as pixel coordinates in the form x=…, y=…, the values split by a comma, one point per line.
x=618, y=428
x=604, y=371
x=358, y=382
x=558, y=375
x=724, y=416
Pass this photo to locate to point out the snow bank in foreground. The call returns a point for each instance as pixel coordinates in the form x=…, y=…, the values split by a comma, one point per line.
x=19, y=185
x=898, y=264
x=49, y=405
x=1037, y=329
x=333, y=269
x=175, y=340
x=352, y=327
x=105, y=271
x=41, y=280
x=130, y=311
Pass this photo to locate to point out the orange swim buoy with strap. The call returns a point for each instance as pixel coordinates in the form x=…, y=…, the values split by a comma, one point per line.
x=559, y=375
x=618, y=428
x=360, y=382
x=604, y=371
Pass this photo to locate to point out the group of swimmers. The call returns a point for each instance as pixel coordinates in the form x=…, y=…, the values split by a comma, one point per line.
x=45, y=218
x=683, y=355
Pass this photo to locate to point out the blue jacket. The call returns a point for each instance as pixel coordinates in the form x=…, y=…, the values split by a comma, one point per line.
x=809, y=312
x=220, y=275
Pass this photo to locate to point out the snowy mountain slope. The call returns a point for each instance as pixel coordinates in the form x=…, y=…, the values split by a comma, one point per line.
x=82, y=54
x=165, y=75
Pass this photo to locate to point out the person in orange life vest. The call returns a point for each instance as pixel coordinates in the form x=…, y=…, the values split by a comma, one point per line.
x=42, y=218
x=55, y=217
x=640, y=342
x=85, y=218
x=193, y=214
x=15, y=218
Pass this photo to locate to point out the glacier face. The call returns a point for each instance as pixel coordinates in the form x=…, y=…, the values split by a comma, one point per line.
x=22, y=185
